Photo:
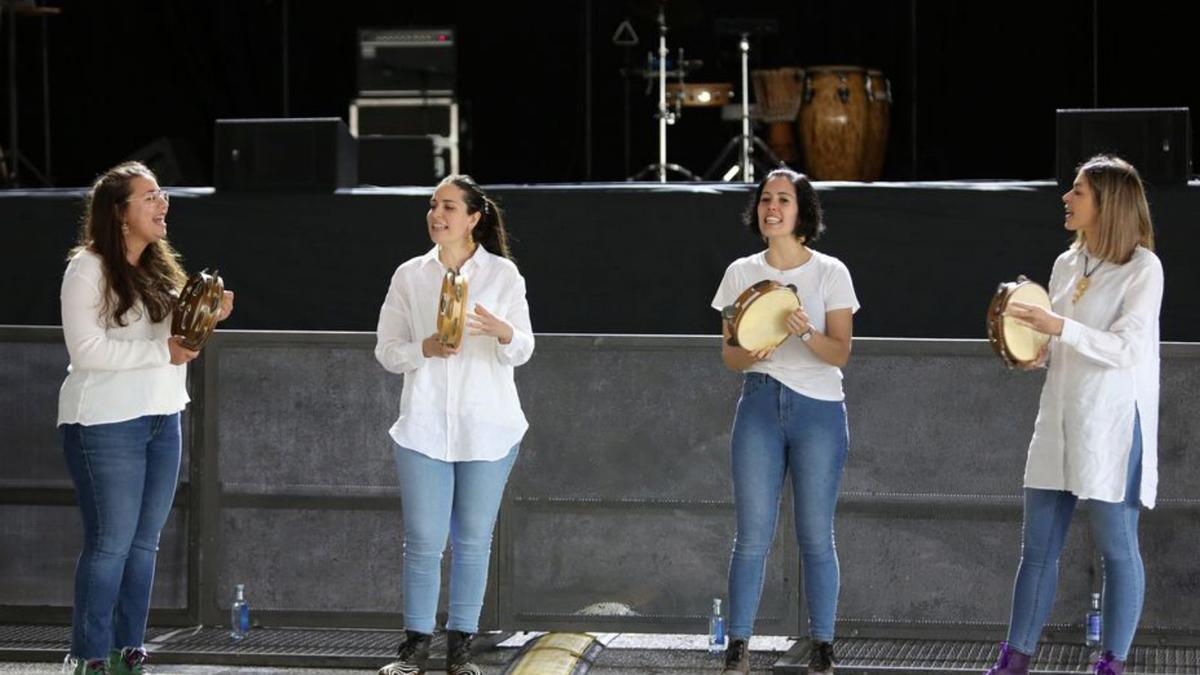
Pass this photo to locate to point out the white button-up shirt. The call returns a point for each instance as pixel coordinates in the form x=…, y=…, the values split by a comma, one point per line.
x=117, y=373
x=465, y=407
x=1104, y=365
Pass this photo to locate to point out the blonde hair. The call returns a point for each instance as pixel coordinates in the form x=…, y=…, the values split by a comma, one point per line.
x=1122, y=214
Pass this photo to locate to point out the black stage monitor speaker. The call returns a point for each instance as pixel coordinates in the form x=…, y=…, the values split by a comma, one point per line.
x=1157, y=141
x=396, y=160
x=406, y=62
x=306, y=154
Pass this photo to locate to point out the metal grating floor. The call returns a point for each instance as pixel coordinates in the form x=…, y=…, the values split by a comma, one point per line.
x=863, y=655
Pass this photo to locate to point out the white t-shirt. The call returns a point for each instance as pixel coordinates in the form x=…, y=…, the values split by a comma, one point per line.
x=465, y=407
x=117, y=373
x=824, y=285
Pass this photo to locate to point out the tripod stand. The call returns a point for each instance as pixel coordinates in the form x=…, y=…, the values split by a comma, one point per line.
x=13, y=159
x=745, y=142
x=664, y=114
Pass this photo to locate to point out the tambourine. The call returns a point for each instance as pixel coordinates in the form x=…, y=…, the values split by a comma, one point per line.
x=758, y=318
x=452, y=309
x=1017, y=345
x=197, y=309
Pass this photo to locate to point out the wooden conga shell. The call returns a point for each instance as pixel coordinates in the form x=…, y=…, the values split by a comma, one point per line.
x=833, y=122
x=879, y=108
x=778, y=94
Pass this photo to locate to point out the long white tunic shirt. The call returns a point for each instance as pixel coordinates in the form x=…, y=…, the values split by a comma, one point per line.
x=465, y=407
x=117, y=373
x=1103, y=368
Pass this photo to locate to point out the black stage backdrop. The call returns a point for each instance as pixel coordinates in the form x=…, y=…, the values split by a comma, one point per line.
x=614, y=258
x=975, y=83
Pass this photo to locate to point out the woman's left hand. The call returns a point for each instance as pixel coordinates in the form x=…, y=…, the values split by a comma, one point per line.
x=226, y=306
x=797, y=322
x=483, y=322
x=1031, y=316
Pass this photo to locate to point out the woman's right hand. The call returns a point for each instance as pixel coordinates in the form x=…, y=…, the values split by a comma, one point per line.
x=432, y=346
x=180, y=354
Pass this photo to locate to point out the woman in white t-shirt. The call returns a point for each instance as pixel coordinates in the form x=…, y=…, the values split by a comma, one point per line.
x=1096, y=435
x=118, y=409
x=460, y=421
x=791, y=416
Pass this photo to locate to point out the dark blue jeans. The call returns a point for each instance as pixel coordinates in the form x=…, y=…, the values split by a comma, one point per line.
x=778, y=431
x=125, y=475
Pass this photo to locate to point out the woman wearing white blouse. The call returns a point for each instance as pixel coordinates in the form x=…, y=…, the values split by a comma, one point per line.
x=460, y=419
x=1096, y=434
x=118, y=409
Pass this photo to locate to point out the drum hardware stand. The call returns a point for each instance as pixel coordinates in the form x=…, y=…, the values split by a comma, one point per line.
x=665, y=114
x=745, y=142
x=14, y=159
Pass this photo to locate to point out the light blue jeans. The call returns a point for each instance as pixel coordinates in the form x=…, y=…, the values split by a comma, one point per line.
x=125, y=475
x=455, y=500
x=1114, y=527
x=777, y=430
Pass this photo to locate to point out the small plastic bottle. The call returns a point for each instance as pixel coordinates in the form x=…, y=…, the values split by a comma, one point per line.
x=716, y=629
x=1093, y=633
x=239, y=614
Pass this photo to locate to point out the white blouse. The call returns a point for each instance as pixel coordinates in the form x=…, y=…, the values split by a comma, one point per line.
x=117, y=373
x=465, y=407
x=1103, y=367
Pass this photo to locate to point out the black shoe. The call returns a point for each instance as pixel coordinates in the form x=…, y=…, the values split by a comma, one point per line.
x=820, y=659
x=411, y=656
x=737, y=658
x=458, y=653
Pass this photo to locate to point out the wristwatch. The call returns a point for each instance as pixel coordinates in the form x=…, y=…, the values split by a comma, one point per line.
x=806, y=335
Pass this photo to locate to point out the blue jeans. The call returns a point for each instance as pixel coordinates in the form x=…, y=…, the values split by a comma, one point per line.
x=458, y=500
x=777, y=429
x=125, y=475
x=1114, y=527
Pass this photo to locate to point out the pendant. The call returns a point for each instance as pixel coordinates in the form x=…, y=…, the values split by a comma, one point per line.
x=1080, y=288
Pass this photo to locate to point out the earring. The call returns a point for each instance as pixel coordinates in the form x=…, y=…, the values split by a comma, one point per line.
x=124, y=228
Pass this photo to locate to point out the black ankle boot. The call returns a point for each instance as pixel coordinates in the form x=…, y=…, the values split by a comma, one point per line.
x=458, y=653
x=410, y=656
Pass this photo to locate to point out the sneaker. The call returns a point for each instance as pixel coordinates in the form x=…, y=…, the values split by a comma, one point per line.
x=128, y=661
x=1108, y=665
x=458, y=654
x=93, y=667
x=410, y=656
x=737, y=658
x=820, y=659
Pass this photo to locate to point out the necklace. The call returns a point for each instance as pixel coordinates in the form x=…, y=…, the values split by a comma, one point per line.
x=1086, y=280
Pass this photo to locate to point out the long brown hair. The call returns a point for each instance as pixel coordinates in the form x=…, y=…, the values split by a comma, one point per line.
x=1122, y=214
x=157, y=277
x=490, y=230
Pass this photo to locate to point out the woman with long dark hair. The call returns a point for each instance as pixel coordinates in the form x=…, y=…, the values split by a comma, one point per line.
x=118, y=409
x=461, y=422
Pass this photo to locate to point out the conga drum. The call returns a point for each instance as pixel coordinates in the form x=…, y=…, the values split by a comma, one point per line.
x=195, y=315
x=779, y=92
x=1017, y=345
x=879, y=109
x=758, y=318
x=833, y=122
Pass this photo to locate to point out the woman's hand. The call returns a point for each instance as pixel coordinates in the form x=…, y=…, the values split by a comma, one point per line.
x=226, y=306
x=432, y=347
x=483, y=322
x=797, y=322
x=180, y=354
x=1031, y=316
